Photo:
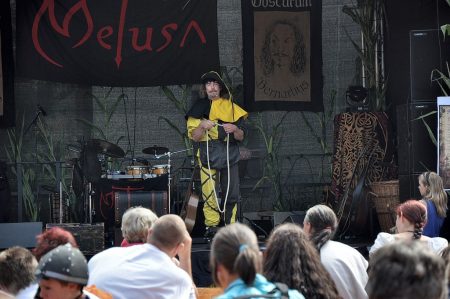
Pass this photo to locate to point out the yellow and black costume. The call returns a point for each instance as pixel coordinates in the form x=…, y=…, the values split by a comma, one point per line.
x=221, y=110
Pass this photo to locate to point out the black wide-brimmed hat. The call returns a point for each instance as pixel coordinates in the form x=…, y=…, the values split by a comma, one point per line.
x=213, y=76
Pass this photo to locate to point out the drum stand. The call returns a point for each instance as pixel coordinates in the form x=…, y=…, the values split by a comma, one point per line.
x=169, y=177
x=88, y=203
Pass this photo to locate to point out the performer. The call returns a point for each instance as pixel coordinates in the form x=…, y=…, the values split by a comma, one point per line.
x=217, y=125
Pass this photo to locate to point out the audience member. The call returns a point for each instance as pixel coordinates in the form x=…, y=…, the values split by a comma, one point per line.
x=4, y=295
x=446, y=257
x=301, y=269
x=235, y=262
x=136, y=221
x=146, y=270
x=435, y=199
x=345, y=264
x=51, y=239
x=62, y=274
x=48, y=240
x=411, y=218
x=406, y=270
x=17, y=266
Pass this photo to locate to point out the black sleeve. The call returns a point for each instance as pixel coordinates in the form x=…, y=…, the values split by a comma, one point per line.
x=241, y=124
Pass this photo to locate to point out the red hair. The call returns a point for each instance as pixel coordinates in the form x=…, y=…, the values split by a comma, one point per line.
x=414, y=211
x=52, y=238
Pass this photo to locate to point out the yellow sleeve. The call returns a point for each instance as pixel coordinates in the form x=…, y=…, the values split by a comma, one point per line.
x=192, y=124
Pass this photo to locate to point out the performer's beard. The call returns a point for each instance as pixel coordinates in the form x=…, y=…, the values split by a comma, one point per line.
x=212, y=95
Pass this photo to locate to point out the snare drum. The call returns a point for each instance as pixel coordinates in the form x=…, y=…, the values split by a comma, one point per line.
x=160, y=169
x=137, y=170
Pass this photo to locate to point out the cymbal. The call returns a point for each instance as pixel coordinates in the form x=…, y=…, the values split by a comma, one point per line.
x=106, y=148
x=155, y=150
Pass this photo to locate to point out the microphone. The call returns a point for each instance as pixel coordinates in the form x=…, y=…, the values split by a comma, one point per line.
x=41, y=110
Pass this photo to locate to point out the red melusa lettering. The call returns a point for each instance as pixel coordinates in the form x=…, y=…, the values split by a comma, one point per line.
x=148, y=39
x=102, y=34
x=201, y=35
x=64, y=30
x=165, y=32
x=105, y=32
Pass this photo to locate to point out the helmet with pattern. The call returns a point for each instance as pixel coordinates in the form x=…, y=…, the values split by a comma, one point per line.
x=64, y=263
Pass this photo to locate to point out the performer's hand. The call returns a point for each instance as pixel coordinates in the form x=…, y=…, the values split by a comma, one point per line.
x=229, y=128
x=206, y=124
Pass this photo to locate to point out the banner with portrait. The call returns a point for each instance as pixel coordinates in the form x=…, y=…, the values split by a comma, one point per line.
x=443, y=108
x=7, y=108
x=282, y=54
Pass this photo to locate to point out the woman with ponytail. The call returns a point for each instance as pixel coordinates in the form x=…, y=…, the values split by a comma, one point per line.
x=410, y=221
x=235, y=263
x=435, y=199
x=347, y=267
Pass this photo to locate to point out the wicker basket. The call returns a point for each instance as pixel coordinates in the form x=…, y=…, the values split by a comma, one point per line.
x=385, y=196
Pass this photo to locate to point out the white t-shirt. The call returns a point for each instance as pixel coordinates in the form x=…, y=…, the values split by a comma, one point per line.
x=347, y=267
x=28, y=292
x=436, y=244
x=140, y=271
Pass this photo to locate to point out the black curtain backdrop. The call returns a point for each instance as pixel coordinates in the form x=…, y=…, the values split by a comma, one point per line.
x=282, y=55
x=117, y=42
x=7, y=107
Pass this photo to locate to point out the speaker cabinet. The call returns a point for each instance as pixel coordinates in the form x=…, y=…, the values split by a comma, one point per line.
x=156, y=201
x=291, y=217
x=416, y=151
x=409, y=186
x=19, y=234
x=428, y=51
x=90, y=237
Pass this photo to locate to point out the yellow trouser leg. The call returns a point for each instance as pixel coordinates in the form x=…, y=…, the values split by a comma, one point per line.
x=210, y=209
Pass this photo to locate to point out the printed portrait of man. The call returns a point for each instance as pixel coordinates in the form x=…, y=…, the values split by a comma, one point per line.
x=282, y=56
x=283, y=49
x=444, y=145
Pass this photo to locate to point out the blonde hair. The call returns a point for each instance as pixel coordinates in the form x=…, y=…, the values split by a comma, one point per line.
x=135, y=224
x=435, y=191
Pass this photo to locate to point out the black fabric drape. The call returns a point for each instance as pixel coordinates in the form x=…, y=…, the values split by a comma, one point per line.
x=117, y=43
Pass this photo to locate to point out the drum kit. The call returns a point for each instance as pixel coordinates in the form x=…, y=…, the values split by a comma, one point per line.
x=95, y=163
x=140, y=168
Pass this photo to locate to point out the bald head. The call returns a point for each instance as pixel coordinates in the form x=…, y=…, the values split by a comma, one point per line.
x=167, y=232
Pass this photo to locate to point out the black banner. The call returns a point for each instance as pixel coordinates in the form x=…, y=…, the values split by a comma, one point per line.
x=117, y=42
x=7, y=107
x=282, y=54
